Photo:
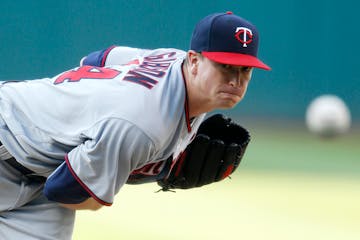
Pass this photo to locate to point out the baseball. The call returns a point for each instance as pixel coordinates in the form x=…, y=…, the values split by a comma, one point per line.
x=328, y=116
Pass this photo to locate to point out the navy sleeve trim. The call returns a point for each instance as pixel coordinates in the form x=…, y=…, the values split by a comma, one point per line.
x=97, y=58
x=83, y=184
x=62, y=187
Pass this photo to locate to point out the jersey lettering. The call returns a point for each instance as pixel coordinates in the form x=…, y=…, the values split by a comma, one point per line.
x=151, y=70
x=167, y=57
x=87, y=72
x=150, y=169
x=141, y=79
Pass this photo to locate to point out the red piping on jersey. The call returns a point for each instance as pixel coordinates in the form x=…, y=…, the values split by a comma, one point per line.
x=106, y=53
x=83, y=184
x=186, y=104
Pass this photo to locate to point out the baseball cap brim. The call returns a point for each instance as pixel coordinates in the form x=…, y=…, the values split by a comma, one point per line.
x=236, y=59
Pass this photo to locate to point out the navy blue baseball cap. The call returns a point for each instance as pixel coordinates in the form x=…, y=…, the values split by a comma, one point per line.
x=228, y=39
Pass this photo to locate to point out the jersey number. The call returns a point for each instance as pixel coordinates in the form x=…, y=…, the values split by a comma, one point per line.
x=87, y=72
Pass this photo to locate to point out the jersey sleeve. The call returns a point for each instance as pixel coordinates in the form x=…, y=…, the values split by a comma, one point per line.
x=114, y=55
x=103, y=163
x=63, y=187
x=97, y=58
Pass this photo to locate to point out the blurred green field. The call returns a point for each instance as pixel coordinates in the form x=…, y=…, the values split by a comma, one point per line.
x=290, y=185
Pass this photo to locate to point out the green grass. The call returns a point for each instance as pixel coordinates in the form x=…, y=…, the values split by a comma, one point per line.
x=290, y=185
x=293, y=148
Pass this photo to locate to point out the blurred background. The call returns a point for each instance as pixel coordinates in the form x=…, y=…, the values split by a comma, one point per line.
x=291, y=184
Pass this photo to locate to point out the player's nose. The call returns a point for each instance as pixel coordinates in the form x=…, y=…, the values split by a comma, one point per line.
x=235, y=80
x=240, y=78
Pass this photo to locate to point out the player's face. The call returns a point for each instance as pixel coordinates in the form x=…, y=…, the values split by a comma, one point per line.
x=223, y=85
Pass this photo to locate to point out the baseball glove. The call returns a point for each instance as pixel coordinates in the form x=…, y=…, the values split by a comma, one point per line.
x=213, y=155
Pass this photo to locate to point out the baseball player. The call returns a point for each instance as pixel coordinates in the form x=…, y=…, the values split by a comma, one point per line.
x=125, y=115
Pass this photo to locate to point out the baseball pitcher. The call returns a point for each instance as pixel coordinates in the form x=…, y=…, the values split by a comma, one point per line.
x=125, y=115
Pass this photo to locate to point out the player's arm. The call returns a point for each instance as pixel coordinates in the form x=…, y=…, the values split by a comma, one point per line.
x=88, y=204
x=114, y=55
x=97, y=169
x=62, y=187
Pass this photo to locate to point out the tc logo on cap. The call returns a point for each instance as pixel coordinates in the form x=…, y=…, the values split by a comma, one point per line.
x=244, y=35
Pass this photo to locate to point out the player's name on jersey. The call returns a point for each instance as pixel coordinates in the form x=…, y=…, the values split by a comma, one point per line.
x=151, y=69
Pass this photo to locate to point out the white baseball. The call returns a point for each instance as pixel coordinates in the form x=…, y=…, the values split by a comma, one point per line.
x=328, y=116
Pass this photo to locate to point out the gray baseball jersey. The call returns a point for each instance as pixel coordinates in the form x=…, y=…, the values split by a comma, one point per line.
x=103, y=122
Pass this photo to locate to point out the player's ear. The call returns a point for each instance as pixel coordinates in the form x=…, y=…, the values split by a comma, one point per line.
x=193, y=61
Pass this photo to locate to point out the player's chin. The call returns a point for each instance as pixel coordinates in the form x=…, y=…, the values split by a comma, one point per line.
x=228, y=100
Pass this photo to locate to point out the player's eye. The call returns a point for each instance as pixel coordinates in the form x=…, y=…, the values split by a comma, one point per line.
x=235, y=69
x=231, y=69
x=246, y=69
x=228, y=68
